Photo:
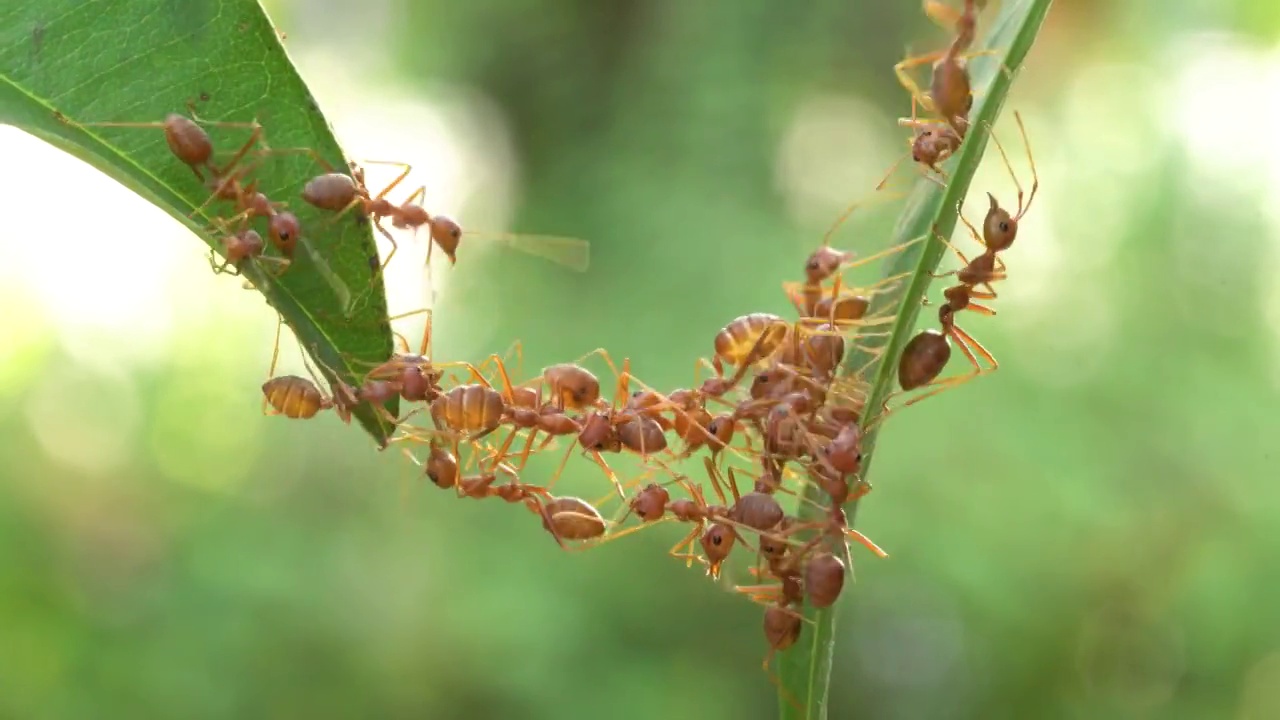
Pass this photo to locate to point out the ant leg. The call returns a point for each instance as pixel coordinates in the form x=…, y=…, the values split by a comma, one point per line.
x=563, y=461
x=516, y=348
x=698, y=366
x=602, y=353
x=953, y=249
x=425, y=347
x=528, y=449
x=972, y=230
x=883, y=253
x=507, y=385
x=281, y=263
x=848, y=212
x=220, y=269
x=275, y=356
x=540, y=509
x=935, y=174
x=405, y=169
x=687, y=542
x=254, y=137
x=980, y=309
x=904, y=78
x=417, y=196
x=475, y=372
x=717, y=481
x=223, y=184
x=312, y=152
x=191, y=110
x=968, y=342
x=629, y=531
x=892, y=169
x=795, y=293
x=1035, y=179
x=864, y=541
x=613, y=477
x=624, y=385
x=377, y=223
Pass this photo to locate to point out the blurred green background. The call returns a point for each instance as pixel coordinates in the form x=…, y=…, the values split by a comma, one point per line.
x=1086, y=533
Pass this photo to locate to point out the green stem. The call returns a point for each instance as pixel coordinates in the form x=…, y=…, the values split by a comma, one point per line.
x=805, y=669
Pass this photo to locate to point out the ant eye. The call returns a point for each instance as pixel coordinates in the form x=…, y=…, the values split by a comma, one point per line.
x=715, y=540
x=1004, y=227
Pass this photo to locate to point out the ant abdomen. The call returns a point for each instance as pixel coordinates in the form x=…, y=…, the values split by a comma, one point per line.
x=331, y=191
x=923, y=359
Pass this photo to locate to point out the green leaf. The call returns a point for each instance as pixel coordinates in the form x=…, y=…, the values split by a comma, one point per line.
x=67, y=62
x=805, y=669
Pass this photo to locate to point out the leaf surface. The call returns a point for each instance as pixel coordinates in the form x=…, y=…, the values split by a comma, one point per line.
x=66, y=63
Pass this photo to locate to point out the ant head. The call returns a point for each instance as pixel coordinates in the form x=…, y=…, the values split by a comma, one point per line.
x=823, y=262
x=244, y=245
x=721, y=428
x=765, y=382
x=442, y=467
x=447, y=234
x=284, y=230
x=715, y=386
x=596, y=431
x=999, y=229
x=444, y=229
x=650, y=503
x=922, y=149
x=946, y=316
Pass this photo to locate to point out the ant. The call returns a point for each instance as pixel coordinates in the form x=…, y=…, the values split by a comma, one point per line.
x=782, y=627
x=188, y=141
x=926, y=354
x=442, y=469
x=932, y=144
x=826, y=261
x=999, y=227
x=239, y=247
x=340, y=192
x=950, y=95
x=297, y=397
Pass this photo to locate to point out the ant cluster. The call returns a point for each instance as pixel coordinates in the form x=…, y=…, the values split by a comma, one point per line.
x=776, y=414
